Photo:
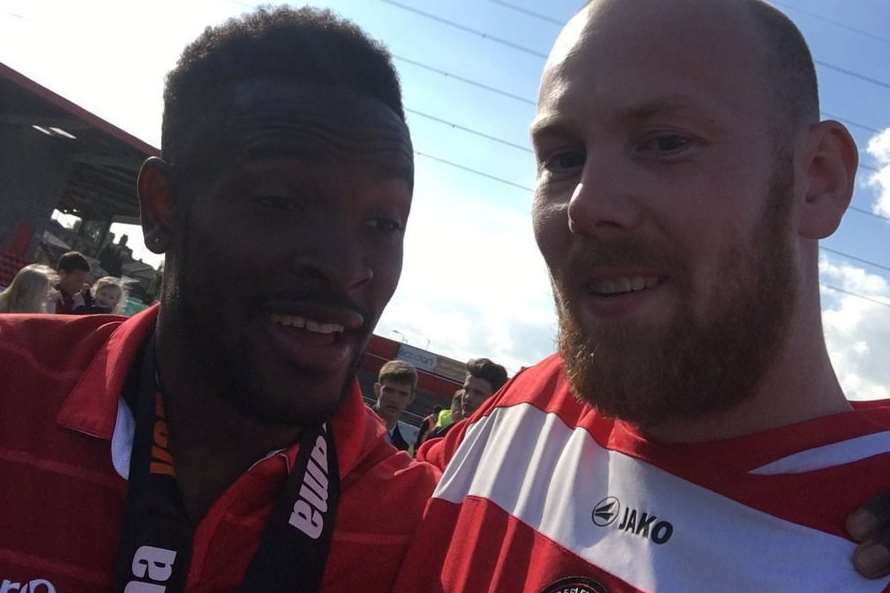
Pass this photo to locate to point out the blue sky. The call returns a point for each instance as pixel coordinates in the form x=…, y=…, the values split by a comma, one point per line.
x=110, y=57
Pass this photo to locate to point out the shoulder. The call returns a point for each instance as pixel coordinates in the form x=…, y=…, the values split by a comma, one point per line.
x=400, y=485
x=52, y=343
x=541, y=389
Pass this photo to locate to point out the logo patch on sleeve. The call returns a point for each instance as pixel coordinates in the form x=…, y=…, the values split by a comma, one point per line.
x=575, y=585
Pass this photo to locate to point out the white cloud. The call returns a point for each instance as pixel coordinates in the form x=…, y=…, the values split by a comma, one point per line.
x=857, y=330
x=474, y=283
x=879, y=148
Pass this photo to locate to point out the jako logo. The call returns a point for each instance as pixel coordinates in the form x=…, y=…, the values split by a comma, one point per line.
x=33, y=586
x=606, y=511
x=642, y=524
x=307, y=514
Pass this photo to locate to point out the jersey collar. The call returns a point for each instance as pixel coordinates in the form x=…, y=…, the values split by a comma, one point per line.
x=92, y=406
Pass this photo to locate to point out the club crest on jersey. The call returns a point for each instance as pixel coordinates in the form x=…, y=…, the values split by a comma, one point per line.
x=608, y=512
x=575, y=585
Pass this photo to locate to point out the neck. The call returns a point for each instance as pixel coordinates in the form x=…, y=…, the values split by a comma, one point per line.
x=389, y=422
x=212, y=442
x=800, y=385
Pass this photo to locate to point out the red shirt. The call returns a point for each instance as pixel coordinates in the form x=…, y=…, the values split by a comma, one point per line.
x=61, y=498
x=540, y=488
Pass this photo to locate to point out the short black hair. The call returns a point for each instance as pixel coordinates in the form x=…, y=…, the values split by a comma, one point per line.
x=72, y=261
x=307, y=44
x=484, y=368
x=791, y=71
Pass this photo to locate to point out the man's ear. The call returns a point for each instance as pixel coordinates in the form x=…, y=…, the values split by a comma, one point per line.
x=829, y=176
x=156, y=204
x=377, y=390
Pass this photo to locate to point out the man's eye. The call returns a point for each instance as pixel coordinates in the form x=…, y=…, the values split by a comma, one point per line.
x=385, y=225
x=277, y=202
x=563, y=161
x=666, y=143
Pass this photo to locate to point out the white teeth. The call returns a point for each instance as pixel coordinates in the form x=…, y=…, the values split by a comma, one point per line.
x=622, y=285
x=301, y=322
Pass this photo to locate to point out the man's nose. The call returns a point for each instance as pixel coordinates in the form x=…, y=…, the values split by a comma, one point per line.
x=602, y=204
x=338, y=262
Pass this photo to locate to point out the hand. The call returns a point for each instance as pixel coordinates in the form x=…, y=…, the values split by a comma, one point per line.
x=870, y=526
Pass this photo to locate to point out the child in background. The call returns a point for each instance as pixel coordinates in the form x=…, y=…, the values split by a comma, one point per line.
x=29, y=291
x=108, y=297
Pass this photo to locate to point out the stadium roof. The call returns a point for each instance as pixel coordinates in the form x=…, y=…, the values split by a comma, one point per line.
x=106, y=159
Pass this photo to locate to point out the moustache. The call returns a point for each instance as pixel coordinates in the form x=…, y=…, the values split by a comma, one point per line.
x=591, y=253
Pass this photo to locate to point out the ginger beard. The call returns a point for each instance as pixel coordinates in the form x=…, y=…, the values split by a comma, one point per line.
x=692, y=366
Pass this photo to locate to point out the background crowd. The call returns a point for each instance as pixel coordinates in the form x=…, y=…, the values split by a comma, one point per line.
x=68, y=289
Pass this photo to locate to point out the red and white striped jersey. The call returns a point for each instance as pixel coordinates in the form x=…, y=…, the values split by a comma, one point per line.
x=542, y=494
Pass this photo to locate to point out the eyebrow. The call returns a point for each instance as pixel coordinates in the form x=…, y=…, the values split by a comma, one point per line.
x=554, y=124
x=663, y=105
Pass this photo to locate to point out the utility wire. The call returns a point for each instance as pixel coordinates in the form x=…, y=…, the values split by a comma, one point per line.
x=854, y=294
x=851, y=123
x=836, y=23
x=525, y=149
x=470, y=131
x=869, y=213
x=538, y=54
x=464, y=28
x=531, y=13
x=468, y=81
x=821, y=17
x=848, y=72
x=854, y=258
x=528, y=101
x=473, y=171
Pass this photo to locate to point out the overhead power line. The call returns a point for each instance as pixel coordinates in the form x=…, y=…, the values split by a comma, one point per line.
x=829, y=20
x=538, y=54
x=851, y=73
x=855, y=294
x=464, y=28
x=531, y=13
x=473, y=171
x=468, y=81
x=869, y=213
x=836, y=23
x=492, y=138
x=854, y=258
x=851, y=123
x=528, y=101
x=470, y=131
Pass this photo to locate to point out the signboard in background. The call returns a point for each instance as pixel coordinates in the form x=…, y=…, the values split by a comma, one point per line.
x=453, y=369
x=421, y=359
x=432, y=363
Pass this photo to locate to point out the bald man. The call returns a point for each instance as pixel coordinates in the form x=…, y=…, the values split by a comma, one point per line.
x=691, y=435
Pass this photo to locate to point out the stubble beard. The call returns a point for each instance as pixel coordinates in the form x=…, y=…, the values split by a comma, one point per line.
x=693, y=366
x=228, y=367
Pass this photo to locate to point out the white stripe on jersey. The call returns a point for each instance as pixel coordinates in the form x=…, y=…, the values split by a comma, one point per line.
x=828, y=455
x=551, y=477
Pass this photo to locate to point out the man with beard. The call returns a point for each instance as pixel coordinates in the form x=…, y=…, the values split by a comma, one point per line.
x=219, y=442
x=691, y=436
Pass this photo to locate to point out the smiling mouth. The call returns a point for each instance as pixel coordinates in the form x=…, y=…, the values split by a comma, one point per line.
x=622, y=285
x=310, y=325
